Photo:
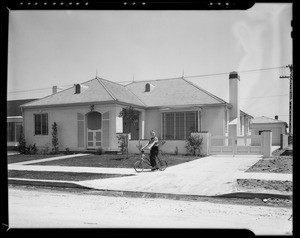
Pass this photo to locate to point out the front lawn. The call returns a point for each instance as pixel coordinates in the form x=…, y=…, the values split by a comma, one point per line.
x=22, y=158
x=65, y=176
x=113, y=161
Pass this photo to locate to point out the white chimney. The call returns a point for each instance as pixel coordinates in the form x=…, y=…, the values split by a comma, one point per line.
x=234, y=99
x=54, y=89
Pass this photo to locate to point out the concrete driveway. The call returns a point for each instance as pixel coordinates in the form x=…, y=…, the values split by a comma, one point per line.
x=207, y=176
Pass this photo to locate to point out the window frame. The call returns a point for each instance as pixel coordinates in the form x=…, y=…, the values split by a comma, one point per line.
x=43, y=132
x=197, y=124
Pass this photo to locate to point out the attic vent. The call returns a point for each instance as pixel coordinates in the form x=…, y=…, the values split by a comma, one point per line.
x=147, y=87
x=77, y=88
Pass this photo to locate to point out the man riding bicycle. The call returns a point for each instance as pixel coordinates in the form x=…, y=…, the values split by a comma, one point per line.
x=153, y=146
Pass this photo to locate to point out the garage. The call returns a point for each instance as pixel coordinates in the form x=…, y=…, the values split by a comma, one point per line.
x=263, y=123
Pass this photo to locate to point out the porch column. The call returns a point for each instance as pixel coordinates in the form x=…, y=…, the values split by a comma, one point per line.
x=142, y=118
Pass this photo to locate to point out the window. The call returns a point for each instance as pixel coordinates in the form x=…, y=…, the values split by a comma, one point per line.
x=147, y=87
x=179, y=125
x=41, y=124
x=13, y=131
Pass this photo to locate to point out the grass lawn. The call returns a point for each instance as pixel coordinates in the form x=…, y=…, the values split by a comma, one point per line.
x=113, y=161
x=65, y=176
x=23, y=158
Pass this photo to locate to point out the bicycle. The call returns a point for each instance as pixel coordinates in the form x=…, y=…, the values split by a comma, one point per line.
x=144, y=163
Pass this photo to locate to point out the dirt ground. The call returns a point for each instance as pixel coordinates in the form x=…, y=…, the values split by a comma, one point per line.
x=280, y=162
x=275, y=164
x=48, y=208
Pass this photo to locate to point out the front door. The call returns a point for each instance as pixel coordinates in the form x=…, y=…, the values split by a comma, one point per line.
x=94, y=139
x=94, y=130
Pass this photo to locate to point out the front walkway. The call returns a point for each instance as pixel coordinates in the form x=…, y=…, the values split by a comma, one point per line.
x=207, y=176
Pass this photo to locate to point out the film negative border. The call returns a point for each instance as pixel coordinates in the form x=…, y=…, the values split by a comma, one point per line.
x=127, y=5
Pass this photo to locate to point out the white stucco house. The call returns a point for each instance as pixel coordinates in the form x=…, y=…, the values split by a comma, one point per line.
x=87, y=114
x=263, y=123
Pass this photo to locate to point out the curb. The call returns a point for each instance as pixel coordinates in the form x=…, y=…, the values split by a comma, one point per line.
x=119, y=193
x=46, y=183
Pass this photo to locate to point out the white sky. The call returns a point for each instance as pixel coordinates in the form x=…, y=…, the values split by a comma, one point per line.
x=61, y=48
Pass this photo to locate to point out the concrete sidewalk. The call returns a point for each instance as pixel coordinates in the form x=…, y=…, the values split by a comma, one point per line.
x=207, y=176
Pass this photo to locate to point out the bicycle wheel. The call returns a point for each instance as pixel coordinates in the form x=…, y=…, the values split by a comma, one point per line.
x=162, y=165
x=139, y=166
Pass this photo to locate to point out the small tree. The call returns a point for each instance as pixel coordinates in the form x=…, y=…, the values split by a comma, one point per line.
x=22, y=142
x=130, y=115
x=55, y=148
x=194, y=143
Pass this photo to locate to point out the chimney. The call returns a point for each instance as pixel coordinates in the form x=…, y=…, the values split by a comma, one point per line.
x=276, y=117
x=77, y=88
x=54, y=89
x=234, y=95
x=234, y=99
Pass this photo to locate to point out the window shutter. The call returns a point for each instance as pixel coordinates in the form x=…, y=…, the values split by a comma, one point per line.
x=80, y=130
x=105, y=129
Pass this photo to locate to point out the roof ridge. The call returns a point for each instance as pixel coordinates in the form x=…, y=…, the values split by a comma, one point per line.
x=106, y=89
x=141, y=81
x=208, y=93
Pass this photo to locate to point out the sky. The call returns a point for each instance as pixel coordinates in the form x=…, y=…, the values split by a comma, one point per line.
x=48, y=48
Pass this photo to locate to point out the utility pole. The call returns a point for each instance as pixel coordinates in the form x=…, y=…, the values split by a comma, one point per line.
x=291, y=98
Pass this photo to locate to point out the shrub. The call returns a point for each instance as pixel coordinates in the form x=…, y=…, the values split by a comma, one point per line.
x=99, y=151
x=22, y=142
x=31, y=149
x=46, y=149
x=122, y=140
x=55, y=148
x=67, y=152
x=194, y=143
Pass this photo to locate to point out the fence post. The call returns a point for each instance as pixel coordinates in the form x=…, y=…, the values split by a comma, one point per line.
x=283, y=141
x=267, y=143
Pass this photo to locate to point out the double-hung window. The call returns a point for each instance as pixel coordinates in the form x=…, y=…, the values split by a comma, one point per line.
x=41, y=124
x=179, y=125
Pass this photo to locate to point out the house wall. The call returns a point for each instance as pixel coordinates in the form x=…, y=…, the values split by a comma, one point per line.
x=276, y=128
x=213, y=120
x=66, y=119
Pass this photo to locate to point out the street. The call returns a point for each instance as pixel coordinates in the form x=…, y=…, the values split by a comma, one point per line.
x=36, y=207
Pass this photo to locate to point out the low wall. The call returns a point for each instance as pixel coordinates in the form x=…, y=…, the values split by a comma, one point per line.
x=171, y=146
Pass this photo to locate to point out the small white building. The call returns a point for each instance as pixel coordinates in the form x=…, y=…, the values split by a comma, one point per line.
x=263, y=123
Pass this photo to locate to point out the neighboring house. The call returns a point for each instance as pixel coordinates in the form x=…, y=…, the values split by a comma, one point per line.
x=87, y=114
x=14, y=122
x=263, y=123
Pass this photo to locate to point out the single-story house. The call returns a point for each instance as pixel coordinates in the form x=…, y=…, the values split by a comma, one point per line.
x=87, y=114
x=263, y=123
x=14, y=121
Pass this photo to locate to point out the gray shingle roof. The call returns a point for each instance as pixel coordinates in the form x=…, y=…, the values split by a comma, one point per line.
x=263, y=119
x=95, y=90
x=171, y=92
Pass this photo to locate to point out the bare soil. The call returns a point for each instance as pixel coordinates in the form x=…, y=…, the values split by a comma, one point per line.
x=283, y=186
x=278, y=163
